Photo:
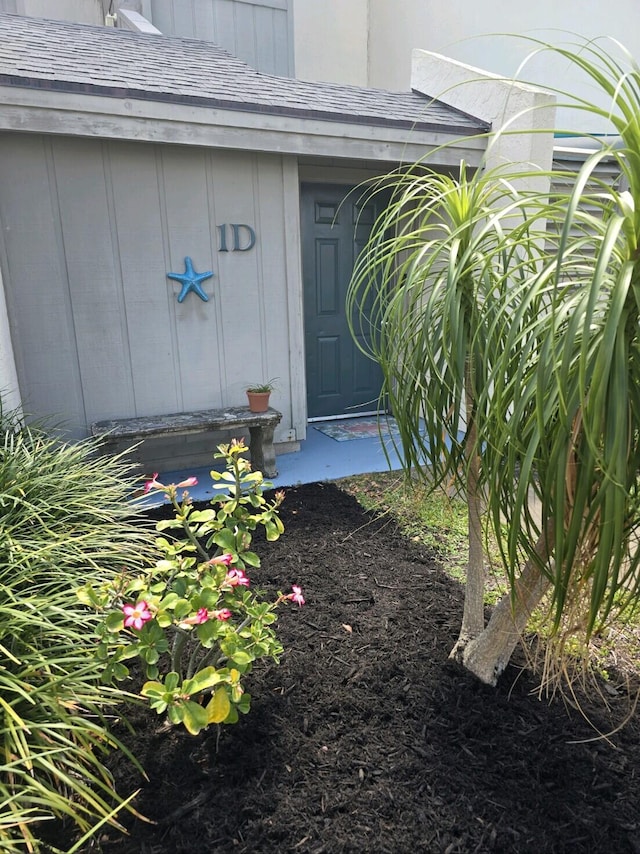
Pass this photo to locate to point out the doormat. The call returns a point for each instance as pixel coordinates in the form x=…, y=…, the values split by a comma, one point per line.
x=359, y=428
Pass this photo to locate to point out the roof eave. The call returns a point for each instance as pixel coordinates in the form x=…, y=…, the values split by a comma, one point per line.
x=38, y=110
x=54, y=85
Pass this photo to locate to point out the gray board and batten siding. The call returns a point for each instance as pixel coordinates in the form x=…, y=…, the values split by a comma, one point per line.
x=123, y=153
x=259, y=32
x=91, y=229
x=81, y=11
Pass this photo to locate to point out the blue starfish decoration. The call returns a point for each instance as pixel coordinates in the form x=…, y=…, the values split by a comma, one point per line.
x=190, y=281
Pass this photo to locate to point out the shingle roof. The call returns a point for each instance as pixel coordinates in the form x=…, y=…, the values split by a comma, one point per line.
x=61, y=56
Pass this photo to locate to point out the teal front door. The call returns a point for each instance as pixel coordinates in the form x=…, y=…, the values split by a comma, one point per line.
x=340, y=379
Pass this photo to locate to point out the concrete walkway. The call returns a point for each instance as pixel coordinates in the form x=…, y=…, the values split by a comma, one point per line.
x=319, y=458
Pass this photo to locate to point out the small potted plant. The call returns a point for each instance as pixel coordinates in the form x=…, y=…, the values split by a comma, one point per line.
x=258, y=395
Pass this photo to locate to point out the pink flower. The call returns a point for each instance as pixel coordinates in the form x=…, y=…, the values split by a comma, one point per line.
x=222, y=614
x=236, y=578
x=135, y=616
x=190, y=481
x=153, y=484
x=202, y=616
x=296, y=596
x=226, y=559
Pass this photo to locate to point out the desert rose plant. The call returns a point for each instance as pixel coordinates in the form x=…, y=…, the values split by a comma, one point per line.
x=194, y=619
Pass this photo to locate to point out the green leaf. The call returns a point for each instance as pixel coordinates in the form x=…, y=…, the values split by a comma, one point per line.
x=222, y=475
x=115, y=621
x=153, y=689
x=174, y=713
x=168, y=601
x=208, y=632
x=119, y=670
x=182, y=609
x=202, y=515
x=241, y=657
x=172, y=680
x=101, y=651
x=130, y=651
x=205, y=678
x=180, y=586
x=152, y=634
x=163, y=524
x=244, y=704
x=163, y=619
x=194, y=716
x=150, y=655
x=232, y=717
x=219, y=706
x=273, y=530
x=88, y=596
x=226, y=540
x=207, y=597
x=251, y=558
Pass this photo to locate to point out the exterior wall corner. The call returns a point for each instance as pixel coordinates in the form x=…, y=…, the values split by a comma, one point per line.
x=522, y=116
x=9, y=388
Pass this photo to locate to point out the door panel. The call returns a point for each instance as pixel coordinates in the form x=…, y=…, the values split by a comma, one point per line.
x=340, y=379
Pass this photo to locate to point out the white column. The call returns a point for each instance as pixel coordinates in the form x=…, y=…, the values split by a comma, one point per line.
x=527, y=113
x=130, y=20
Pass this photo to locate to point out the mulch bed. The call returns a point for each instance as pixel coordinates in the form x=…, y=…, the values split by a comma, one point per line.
x=367, y=739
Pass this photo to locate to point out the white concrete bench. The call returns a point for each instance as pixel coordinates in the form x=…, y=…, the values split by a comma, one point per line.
x=261, y=426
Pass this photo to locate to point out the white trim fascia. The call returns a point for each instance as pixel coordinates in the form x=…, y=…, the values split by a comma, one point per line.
x=73, y=114
x=295, y=297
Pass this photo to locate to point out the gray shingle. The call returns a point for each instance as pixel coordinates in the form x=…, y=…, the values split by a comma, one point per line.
x=67, y=57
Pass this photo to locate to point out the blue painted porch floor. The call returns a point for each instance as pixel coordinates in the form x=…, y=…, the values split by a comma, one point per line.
x=319, y=458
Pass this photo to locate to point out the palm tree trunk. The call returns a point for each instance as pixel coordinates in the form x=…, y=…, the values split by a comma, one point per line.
x=487, y=655
x=473, y=613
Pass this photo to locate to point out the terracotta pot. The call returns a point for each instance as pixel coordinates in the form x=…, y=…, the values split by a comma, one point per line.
x=258, y=400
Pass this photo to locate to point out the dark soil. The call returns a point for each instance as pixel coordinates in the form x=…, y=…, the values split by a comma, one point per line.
x=367, y=739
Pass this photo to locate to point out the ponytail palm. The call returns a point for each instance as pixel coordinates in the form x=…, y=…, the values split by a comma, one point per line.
x=428, y=286
x=573, y=432
x=511, y=363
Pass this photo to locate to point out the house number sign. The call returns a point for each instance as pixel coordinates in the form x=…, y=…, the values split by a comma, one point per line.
x=232, y=237
x=236, y=237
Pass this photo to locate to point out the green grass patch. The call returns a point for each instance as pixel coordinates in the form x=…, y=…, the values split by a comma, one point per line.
x=439, y=521
x=432, y=519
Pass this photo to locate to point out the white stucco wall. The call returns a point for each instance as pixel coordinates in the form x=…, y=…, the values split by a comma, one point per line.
x=369, y=42
x=456, y=29
x=526, y=113
x=331, y=40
